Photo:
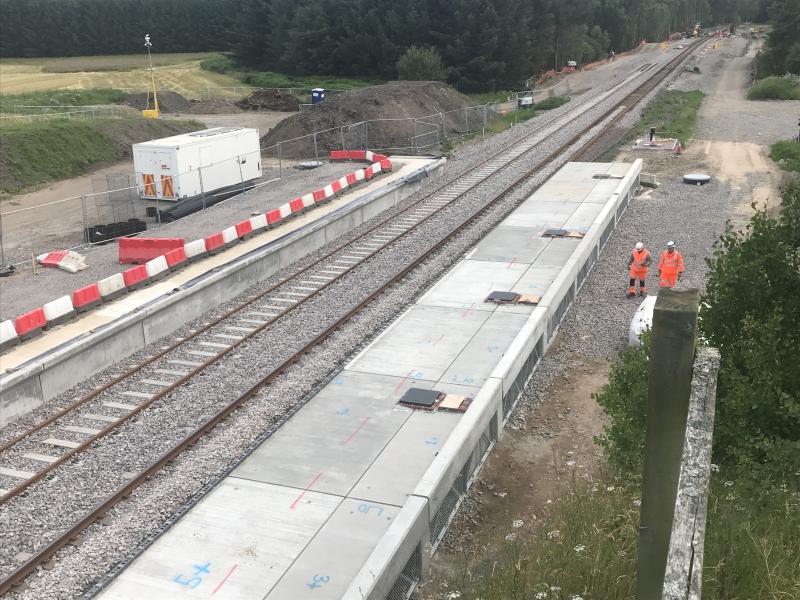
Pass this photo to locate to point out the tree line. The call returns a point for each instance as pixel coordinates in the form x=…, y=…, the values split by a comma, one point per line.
x=483, y=44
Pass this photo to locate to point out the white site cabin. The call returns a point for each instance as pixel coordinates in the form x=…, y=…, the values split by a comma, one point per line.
x=192, y=164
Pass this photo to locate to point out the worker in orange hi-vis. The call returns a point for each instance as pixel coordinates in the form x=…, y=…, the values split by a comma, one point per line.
x=670, y=266
x=638, y=261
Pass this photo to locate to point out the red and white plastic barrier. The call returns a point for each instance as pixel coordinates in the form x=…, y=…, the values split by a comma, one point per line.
x=162, y=255
x=66, y=260
x=8, y=335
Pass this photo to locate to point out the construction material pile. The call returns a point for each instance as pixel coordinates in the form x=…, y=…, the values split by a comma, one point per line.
x=401, y=101
x=270, y=100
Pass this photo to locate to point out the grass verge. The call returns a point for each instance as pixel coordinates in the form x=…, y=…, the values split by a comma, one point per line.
x=787, y=154
x=32, y=154
x=585, y=546
x=774, y=88
x=60, y=98
x=552, y=102
x=673, y=113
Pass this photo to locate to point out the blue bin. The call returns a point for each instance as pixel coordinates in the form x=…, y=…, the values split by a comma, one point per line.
x=317, y=95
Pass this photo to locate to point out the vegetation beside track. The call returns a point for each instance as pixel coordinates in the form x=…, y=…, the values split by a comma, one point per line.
x=33, y=154
x=787, y=154
x=673, y=113
x=775, y=88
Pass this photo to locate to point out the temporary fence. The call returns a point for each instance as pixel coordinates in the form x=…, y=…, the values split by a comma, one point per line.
x=77, y=112
x=100, y=215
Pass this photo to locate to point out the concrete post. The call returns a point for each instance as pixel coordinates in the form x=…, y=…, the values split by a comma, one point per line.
x=671, y=357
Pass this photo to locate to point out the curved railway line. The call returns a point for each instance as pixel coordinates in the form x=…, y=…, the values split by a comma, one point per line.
x=105, y=409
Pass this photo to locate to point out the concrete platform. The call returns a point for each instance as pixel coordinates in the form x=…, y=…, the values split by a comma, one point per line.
x=37, y=370
x=350, y=498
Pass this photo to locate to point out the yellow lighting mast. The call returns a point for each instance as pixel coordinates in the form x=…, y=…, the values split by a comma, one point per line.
x=149, y=113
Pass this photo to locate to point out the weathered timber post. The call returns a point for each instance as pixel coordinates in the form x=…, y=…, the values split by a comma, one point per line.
x=671, y=357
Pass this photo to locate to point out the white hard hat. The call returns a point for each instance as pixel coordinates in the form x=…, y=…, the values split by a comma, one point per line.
x=639, y=245
x=670, y=244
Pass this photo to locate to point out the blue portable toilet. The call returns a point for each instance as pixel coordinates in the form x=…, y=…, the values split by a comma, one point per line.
x=317, y=95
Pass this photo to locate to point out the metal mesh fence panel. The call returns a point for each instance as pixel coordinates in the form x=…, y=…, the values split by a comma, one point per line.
x=587, y=266
x=561, y=311
x=518, y=385
x=407, y=581
x=606, y=234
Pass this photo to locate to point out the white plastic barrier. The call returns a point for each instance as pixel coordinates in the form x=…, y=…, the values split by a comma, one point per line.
x=8, y=335
x=229, y=235
x=642, y=320
x=343, y=184
x=368, y=155
x=111, y=287
x=359, y=175
x=286, y=211
x=258, y=222
x=328, y=189
x=308, y=201
x=195, y=250
x=376, y=168
x=157, y=267
x=59, y=310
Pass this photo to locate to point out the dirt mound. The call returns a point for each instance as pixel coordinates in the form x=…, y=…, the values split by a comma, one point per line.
x=214, y=106
x=270, y=100
x=401, y=101
x=168, y=102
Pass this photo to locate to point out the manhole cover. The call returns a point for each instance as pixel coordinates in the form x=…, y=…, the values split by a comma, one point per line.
x=502, y=297
x=696, y=178
x=419, y=397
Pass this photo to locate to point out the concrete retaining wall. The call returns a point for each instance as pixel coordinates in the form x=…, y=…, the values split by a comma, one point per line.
x=427, y=513
x=38, y=381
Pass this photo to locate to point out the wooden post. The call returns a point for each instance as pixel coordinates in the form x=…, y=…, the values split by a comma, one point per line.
x=671, y=357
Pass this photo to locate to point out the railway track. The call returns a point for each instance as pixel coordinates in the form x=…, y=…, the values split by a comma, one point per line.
x=105, y=409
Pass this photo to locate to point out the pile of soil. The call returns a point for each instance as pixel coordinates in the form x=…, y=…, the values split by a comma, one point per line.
x=214, y=106
x=400, y=100
x=270, y=100
x=168, y=102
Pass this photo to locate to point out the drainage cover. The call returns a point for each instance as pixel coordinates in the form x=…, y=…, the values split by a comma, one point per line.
x=696, y=178
x=418, y=397
x=502, y=297
x=555, y=233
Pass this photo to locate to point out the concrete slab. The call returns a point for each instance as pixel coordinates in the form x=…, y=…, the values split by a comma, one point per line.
x=557, y=252
x=477, y=360
x=510, y=245
x=209, y=552
x=395, y=473
x=540, y=215
x=422, y=344
x=471, y=281
x=340, y=433
x=326, y=570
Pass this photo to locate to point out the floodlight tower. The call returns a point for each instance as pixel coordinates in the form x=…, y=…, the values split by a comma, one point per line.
x=147, y=113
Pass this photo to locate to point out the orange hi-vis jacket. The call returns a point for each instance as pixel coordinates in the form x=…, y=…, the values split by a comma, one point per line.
x=670, y=264
x=640, y=260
